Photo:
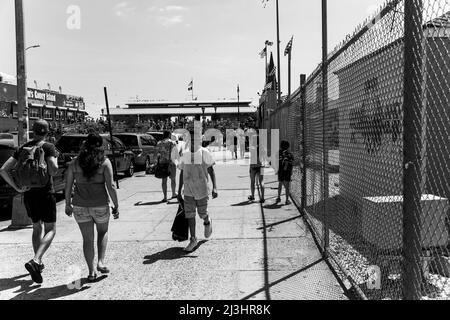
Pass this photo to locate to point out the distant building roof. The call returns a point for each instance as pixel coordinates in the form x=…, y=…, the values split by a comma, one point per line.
x=440, y=22
x=178, y=104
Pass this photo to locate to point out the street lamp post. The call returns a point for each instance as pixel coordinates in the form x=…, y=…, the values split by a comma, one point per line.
x=239, y=108
x=32, y=47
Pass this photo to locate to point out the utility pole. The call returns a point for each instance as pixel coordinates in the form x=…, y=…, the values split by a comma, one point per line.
x=22, y=95
x=20, y=219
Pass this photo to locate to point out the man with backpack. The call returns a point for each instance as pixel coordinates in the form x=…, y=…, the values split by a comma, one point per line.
x=29, y=171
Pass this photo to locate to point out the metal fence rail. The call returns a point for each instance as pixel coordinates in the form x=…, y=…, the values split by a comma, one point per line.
x=373, y=152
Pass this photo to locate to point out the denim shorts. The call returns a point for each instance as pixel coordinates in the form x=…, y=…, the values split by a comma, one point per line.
x=191, y=206
x=98, y=215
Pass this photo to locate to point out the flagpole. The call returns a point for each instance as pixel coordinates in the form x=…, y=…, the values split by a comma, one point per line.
x=266, y=64
x=278, y=53
x=289, y=74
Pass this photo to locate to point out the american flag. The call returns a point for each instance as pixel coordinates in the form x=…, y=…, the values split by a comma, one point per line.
x=289, y=47
x=263, y=53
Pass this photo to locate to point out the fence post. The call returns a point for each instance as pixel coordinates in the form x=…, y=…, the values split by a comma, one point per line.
x=324, y=129
x=303, y=142
x=412, y=145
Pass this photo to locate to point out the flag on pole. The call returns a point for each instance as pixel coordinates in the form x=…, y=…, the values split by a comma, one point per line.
x=263, y=53
x=271, y=77
x=288, y=49
x=191, y=85
x=272, y=71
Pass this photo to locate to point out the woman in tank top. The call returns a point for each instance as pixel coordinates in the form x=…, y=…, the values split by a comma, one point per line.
x=90, y=177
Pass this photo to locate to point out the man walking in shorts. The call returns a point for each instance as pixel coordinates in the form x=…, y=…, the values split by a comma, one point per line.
x=40, y=203
x=196, y=164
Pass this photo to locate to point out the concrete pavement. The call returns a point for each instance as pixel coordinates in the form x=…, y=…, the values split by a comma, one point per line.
x=256, y=252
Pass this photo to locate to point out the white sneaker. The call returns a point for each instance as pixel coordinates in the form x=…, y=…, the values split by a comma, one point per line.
x=208, y=229
x=192, y=245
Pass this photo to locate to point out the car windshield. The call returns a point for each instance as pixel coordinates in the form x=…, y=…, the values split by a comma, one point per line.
x=7, y=136
x=128, y=140
x=68, y=144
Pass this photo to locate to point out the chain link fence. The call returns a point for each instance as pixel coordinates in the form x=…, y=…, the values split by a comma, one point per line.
x=372, y=150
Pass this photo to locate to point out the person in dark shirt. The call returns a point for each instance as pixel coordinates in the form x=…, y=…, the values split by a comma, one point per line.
x=40, y=203
x=285, y=166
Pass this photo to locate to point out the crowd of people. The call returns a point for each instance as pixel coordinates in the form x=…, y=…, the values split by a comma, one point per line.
x=90, y=180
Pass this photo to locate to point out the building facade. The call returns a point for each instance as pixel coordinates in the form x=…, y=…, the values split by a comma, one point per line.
x=57, y=108
x=141, y=111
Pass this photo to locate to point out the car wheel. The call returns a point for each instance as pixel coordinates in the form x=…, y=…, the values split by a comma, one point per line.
x=130, y=170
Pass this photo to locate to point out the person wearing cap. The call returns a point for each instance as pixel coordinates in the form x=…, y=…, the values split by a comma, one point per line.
x=92, y=174
x=40, y=203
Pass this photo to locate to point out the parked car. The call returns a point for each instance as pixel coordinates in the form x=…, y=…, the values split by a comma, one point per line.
x=7, y=149
x=16, y=139
x=157, y=135
x=69, y=147
x=143, y=146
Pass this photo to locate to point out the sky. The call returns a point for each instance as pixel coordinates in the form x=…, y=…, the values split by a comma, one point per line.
x=152, y=49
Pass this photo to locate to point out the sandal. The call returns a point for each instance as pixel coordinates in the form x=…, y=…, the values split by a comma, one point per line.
x=103, y=270
x=92, y=279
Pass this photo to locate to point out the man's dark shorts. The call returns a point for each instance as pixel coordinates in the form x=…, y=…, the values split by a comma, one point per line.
x=284, y=176
x=255, y=170
x=41, y=206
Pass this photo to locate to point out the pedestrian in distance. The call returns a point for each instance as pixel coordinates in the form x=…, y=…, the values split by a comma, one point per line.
x=164, y=160
x=92, y=174
x=235, y=144
x=196, y=164
x=285, y=167
x=30, y=172
x=256, y=168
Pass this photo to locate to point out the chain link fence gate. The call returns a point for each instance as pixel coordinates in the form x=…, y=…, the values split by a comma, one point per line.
x=379, y=138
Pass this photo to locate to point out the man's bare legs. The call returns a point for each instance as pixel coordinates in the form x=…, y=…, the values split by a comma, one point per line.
x=44, y=242
x=164, y=188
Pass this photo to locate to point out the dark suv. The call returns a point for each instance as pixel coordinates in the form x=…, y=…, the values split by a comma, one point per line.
x=143, y=146
x=69, y=147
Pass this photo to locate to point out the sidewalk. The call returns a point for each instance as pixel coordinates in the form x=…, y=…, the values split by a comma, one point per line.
x=255, y=252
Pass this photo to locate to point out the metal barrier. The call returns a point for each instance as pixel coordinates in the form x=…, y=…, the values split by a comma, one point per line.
x=373, y=152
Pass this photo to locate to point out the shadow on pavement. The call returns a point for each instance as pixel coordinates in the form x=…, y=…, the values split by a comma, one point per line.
x=268, y=285
x=273, y=206
x=242, y=204
x=280, y=222
x=6, y=284
x=27, y=293
x=153, y=203
x=171, y=254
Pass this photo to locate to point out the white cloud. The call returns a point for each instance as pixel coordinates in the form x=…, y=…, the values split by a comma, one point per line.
x=167, y=16
x=170, y=21
x=174, y=8
x=123, y=9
